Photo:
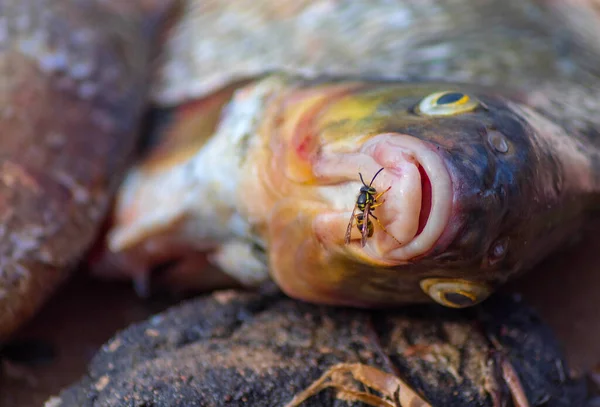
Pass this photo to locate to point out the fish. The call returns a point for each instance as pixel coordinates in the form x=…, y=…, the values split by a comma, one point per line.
x=482, y=114
x=482, y=187
x=71, y=97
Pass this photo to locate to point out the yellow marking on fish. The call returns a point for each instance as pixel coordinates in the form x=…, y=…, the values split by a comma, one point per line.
x=462, y=100
x=299, y=129
x=348, y=118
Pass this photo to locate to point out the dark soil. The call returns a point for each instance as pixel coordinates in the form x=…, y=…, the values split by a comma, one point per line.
x=239, y=349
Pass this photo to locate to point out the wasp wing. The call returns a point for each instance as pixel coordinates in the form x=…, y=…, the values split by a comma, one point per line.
x=350, y=224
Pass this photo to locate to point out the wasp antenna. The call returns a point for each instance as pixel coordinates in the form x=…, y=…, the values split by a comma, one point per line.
x=376, y=174
x=361, y=179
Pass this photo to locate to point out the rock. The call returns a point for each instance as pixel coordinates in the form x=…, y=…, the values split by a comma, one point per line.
x=234, y=349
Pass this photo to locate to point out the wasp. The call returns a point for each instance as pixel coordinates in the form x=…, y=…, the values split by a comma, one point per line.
x=366, y=202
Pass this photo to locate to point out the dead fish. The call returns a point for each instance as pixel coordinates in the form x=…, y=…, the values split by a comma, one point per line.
x=488, y=150
x=479, y=190
x=71, y=97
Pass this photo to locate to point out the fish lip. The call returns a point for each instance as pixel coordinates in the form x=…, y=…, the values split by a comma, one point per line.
x=427, y=156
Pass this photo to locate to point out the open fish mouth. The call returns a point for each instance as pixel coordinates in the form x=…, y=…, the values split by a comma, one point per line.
x=416, y=209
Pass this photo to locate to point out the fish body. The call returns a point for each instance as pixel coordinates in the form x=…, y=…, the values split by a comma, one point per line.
x=513, y=43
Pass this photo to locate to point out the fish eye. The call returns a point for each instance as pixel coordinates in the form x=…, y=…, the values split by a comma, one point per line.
x=446, y=103
x=498, y=250
x=455, y=293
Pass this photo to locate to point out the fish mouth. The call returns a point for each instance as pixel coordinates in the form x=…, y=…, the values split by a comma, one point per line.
x=414, y=211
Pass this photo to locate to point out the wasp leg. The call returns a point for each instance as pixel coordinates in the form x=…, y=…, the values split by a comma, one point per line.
x=394, y=391
x=375, y=205
x=376, y=197
x=384, y=229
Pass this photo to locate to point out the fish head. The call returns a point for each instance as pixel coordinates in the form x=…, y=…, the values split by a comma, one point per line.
x=472, y=192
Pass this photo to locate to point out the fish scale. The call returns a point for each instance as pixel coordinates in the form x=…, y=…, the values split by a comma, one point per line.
x=431, y=39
